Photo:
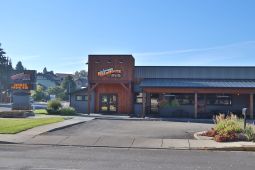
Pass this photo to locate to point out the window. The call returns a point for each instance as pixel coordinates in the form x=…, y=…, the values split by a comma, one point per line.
x=97, y=61
x=81, y=98
x=109, y=61
x=121, y=61
x=139, y=98
x=225, y=100
x=179, y=99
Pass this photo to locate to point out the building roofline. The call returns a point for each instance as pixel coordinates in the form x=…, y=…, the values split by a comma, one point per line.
x=200, y=66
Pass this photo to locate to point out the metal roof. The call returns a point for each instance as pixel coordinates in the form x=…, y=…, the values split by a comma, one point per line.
x=195, y=72
x=182, y=83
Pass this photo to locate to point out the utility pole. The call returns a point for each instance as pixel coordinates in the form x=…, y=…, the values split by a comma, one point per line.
x=69, y=92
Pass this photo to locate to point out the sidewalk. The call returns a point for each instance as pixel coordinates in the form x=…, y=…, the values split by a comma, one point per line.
x=139, y=142
x=31, y=133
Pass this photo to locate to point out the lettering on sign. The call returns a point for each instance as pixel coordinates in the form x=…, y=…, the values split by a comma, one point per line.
x=110, y=72
x=21, y=86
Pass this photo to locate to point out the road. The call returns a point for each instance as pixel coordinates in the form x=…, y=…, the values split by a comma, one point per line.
x=34, y=157
x=130, y=128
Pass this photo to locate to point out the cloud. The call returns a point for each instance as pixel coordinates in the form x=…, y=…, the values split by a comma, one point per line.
x=192, y=50
x=231, y=54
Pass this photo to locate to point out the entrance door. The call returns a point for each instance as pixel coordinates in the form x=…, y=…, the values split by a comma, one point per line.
x=108, y=103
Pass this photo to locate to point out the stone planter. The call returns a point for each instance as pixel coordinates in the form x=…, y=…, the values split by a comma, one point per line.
x=16, y=114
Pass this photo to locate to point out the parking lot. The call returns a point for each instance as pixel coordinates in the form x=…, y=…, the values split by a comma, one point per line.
x=133, y=128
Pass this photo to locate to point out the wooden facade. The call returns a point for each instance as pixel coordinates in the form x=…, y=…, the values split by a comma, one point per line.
x=112, y=74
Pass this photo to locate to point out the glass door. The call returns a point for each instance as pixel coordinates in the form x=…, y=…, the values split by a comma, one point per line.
x=108, y=103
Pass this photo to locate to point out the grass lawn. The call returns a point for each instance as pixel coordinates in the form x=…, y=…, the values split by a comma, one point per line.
x=41, y=111
x=12, y=126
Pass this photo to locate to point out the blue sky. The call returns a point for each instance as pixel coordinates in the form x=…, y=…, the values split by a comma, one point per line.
x=59, y=34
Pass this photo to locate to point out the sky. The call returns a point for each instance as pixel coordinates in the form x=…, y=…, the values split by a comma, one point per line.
x=59, y=34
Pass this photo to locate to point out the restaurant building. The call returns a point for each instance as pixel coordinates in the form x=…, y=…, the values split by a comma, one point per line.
x=117, y=86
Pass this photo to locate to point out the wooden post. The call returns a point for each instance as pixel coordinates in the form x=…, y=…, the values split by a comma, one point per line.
x=251, y=106
x=144, y=105
x=88, y=100
x=195, y=106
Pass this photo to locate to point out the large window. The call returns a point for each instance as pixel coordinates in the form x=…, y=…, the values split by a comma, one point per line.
x=81, y=97
x=224, y=100
x=138, y=98
x=179, y=99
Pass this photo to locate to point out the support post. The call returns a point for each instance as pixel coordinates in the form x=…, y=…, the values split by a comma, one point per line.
x=88, y=101
x=251, y=106
x=144, y=105
x=195, y=106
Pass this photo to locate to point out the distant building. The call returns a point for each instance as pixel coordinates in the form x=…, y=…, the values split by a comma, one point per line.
x=47, y=80
x=62, y=76
x=81, y=82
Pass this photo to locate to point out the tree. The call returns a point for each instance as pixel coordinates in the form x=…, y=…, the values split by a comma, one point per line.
x=58, y=91
x=39, y=94
x=45, y=70
x=68, y=84
x=81, y=74
x=20, y=67
x=5, y=69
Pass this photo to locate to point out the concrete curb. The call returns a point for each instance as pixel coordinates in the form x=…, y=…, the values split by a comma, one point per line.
x=63, y=127
x=198, y=136
x=119, y=117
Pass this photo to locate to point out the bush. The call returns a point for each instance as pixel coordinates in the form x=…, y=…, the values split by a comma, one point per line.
x=67, y=111
x=249, y=133
x=228, y=126
x=54, y=105
x=52, y=111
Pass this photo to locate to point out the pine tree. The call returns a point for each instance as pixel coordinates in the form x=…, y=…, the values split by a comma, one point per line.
x=19, y=67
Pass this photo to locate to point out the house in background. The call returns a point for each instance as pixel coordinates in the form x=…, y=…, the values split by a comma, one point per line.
x=81, y=82
x=47, y=80
x=62, y=76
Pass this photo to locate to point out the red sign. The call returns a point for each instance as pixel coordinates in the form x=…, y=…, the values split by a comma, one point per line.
x=110, y=72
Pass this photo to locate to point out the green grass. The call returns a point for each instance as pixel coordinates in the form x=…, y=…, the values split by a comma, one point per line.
x=41, y=111
x=12, y=126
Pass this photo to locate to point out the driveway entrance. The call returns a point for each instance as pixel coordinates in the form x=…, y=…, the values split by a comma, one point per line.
x=132, y=128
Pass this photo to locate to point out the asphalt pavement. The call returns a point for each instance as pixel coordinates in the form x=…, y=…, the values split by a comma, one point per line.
x=31, y=157
x=132, y=128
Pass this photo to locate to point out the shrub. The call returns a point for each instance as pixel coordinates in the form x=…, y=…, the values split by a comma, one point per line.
x=67, y=111
x=228, y=126
x=249, y=133
x=54, y=105
x=226, y=137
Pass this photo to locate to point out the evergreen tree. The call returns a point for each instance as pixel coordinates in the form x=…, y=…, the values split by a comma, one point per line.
x=19, y=67
x=5, y=69
x=45, y=70
x=69, y=84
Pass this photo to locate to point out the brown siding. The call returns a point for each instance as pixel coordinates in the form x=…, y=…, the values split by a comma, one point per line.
x=122, y=86
x=124, y=97
x=125, y=63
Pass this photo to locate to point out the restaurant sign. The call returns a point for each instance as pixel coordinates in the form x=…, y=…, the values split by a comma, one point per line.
x=24, y=81
x=110, y=72
x=21, y=86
